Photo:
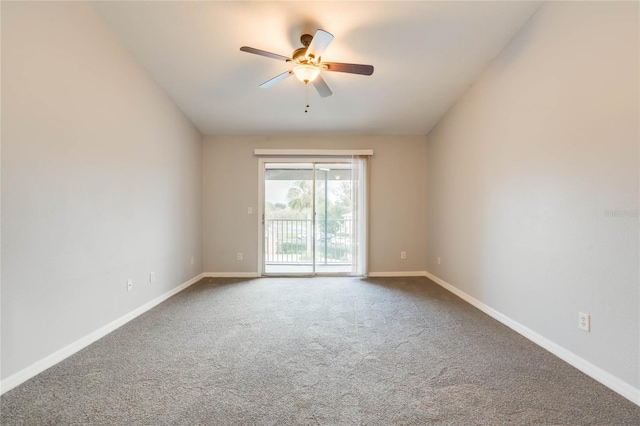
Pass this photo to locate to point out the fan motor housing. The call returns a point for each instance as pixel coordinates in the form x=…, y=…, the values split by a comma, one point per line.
x=298, y=54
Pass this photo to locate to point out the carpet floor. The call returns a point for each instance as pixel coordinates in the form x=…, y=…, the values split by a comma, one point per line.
x=314, y=351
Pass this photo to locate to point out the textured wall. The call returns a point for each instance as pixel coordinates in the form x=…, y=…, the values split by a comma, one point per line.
x=524, y=171
x=101, y=181
x=396, y=208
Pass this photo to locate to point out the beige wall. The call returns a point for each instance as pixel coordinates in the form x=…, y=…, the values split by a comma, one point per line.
x=521, y=173
x=397, y=208
x=101, y=182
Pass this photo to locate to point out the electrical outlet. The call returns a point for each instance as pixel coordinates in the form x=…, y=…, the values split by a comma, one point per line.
x=403, y=255
x=129, y=284
x=239, y=256
x=439, y=261
x=193, y=261
x=152, y=277
x=584, y=321
x=250, y=210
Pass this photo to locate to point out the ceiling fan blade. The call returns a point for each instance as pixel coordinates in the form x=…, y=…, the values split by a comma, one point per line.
x=350, y=68
x=275, y=80
x=318, y=44
x=264, y=53
x=321, y=87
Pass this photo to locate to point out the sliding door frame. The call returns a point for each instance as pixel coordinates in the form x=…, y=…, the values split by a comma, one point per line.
x=314, y=161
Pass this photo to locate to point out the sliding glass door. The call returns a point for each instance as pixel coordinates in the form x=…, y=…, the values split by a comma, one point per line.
x=314, y=218
x=288, y=218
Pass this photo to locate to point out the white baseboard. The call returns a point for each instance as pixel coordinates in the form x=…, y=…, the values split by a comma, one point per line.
x=593, y=371
x=230, y=275
x=607, y=379
x=398, y=274
x=51, y=360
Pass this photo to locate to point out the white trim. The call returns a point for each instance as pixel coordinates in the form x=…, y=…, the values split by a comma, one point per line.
x=261, y=231
x=51, y=360
x=231, y=275
x=593, y=371
x=398, y=274
x=313, y=152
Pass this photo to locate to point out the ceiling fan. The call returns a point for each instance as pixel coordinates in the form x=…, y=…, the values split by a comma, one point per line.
x=307, y=63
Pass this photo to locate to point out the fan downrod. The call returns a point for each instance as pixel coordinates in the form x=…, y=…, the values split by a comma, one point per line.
x=305, y=39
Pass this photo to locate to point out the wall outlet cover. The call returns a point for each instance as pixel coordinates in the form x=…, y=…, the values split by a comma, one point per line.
x=584, y=321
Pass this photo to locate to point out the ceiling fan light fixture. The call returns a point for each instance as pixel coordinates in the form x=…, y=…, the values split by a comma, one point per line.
x=306, y=73
x=306, y=63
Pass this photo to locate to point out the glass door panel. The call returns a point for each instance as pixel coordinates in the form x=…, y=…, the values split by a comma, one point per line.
x=334, y=215
x=288, y=218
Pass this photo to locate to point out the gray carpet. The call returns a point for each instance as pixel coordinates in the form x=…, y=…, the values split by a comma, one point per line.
x=319, y=351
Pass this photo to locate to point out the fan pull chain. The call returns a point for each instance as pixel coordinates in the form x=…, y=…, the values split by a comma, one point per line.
x=306, y=96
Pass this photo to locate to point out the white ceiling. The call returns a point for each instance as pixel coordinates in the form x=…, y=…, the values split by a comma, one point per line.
x=425, y=54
